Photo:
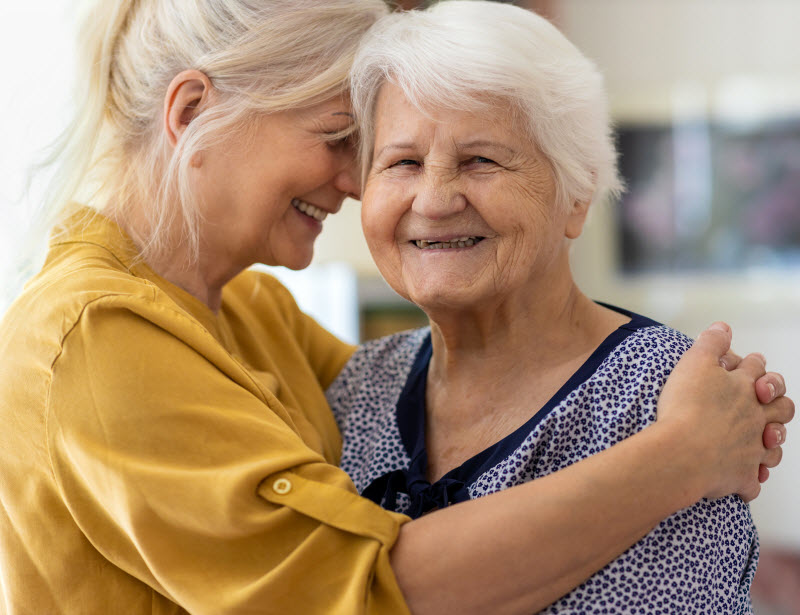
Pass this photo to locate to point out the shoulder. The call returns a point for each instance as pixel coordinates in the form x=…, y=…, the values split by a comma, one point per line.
x=389, y=350
x=649, y=344
x=63, y=291
x=387, y=357
x=625, y=387
x=376, y=372
x=364, y=398
x=258, y=292
x=75, y=296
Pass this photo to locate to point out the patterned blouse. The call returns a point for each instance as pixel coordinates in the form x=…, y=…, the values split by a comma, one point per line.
x=700, y=560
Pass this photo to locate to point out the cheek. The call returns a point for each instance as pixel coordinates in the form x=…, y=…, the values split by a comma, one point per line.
x=379, y=220
x=368, y=218
x=379, y=214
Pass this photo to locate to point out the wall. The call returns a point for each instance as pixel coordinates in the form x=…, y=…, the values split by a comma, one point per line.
x=738, y=56
x=36, y=61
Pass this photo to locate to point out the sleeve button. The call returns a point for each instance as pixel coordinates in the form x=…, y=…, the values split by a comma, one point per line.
x=282, y=486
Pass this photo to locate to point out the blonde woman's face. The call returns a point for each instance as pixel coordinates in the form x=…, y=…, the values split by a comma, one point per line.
x=267, y=193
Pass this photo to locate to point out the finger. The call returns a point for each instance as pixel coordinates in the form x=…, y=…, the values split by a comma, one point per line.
x=714, y=342
x=763, y=474
x=772, y=457
x=754, y=365
x=781, y=410
x=770, y=386
x=774, y=435
x=730, y=360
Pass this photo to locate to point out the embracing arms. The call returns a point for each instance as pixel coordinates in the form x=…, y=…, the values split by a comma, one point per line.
x=519, y=550
x=187, y=474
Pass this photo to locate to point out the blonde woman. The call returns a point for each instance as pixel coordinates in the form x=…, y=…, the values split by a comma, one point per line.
x=166, y=443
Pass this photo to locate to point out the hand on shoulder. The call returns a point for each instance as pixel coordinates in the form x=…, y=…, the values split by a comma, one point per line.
x=730, y=412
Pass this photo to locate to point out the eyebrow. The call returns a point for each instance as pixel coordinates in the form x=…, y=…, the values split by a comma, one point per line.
x=459, y=144
x=401, y=146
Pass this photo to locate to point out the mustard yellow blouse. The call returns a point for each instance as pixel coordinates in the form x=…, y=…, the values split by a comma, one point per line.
x=158, y=458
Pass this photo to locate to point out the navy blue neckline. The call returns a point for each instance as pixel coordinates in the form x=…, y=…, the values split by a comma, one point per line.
x=451, y=488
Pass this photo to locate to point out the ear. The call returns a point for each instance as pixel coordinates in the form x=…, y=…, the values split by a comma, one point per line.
x=187, y=93
x=576, y=219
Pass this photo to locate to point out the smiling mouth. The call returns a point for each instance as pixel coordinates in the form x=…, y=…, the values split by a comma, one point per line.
x=461, y=242
x=312, y=211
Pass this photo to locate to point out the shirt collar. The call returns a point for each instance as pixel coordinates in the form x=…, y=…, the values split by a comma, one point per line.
x=85, y=225
x=88, y=226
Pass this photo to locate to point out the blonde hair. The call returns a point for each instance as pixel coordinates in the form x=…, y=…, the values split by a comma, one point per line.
x=260, y=56
x=470, y=54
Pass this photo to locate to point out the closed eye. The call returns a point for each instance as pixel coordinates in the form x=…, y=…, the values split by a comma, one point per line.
x=335, y=141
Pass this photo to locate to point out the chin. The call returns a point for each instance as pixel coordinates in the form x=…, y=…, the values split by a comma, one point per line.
x=443, y=296
x=297, y=265
x=295, y=260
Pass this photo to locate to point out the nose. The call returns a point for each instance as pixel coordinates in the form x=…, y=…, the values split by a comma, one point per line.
x=348, y=179
x=438, y=197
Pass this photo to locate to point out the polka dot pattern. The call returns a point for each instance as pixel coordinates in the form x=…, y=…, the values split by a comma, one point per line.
x=700, y=560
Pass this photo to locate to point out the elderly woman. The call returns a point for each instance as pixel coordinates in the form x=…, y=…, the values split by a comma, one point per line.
x=486, y=139
x=166, y=443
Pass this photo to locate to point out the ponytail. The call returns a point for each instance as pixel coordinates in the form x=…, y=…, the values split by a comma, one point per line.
x=71, y=158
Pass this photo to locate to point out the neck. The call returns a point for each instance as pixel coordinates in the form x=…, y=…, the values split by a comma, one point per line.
x=532, y=330
x=491, y=371
x=194, y=279
x=516, y=336
x=202, y=277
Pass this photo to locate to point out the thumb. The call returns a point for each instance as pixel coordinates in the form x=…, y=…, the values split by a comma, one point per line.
x=713, y=343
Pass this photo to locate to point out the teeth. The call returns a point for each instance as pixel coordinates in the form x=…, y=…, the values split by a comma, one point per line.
x=309, y=209
x=461, y=242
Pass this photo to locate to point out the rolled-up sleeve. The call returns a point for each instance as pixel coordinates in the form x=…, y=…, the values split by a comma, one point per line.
x=186, y=473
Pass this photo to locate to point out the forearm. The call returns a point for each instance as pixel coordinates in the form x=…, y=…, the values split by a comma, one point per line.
x=521, y=549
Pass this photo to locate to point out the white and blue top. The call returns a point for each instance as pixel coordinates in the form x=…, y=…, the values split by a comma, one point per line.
x=700, y=560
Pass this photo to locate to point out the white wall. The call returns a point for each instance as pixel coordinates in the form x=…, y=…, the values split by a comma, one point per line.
x=647, y=47
x=36, y=62
x=738, y=56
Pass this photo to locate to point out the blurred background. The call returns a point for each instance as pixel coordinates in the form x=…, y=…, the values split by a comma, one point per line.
x=705, y=95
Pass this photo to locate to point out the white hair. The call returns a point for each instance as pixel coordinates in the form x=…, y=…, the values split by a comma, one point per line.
x=469, y=55
x=260, y=56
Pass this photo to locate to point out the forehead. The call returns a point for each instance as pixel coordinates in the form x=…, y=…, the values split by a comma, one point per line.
x=338, y=106
x=397, y=117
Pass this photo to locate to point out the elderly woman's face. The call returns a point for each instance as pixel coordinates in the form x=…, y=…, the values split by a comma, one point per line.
x=459, y=209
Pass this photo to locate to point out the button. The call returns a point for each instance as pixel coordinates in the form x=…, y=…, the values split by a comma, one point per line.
x=282, y=486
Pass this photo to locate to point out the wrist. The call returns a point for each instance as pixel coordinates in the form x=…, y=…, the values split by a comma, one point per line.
x=682, y=455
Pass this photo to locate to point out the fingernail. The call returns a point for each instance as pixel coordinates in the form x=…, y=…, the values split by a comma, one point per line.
x=771, y=388
x=720, y=326
x=723, y=363
x=779, y=436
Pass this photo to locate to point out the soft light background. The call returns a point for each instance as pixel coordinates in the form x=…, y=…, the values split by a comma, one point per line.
x=733, y=56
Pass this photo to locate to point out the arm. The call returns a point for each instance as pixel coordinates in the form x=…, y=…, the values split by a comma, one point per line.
x=174, y=461
x=548, y=536
x=168, y=455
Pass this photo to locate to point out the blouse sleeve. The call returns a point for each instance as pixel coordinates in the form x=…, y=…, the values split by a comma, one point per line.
x=186, y=473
